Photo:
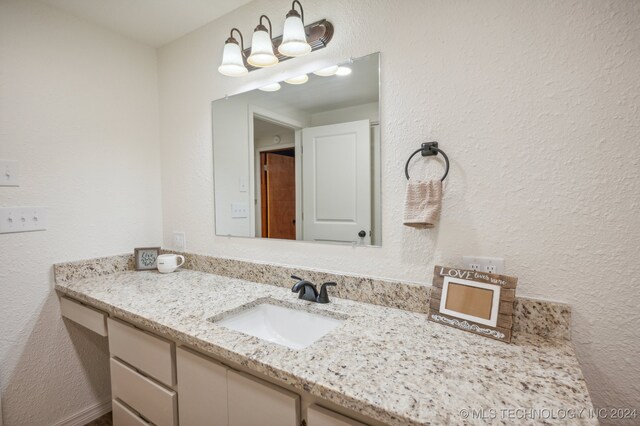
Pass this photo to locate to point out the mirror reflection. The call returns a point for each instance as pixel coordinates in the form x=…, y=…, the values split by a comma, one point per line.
x=300, y=159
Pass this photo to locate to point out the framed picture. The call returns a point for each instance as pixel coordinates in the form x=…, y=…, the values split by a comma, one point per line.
x=474, y=301
x=146, y=258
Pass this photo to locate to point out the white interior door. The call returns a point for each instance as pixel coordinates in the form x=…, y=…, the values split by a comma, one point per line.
x=336, y=182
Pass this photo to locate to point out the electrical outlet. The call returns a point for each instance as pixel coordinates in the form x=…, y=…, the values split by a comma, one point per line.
x=491, y=265
x=179, y=241
x=474, y=266
x=471, y=262
x=491, y=268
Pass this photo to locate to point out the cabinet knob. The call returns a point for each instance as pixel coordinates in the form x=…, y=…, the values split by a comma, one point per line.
x=362, y=234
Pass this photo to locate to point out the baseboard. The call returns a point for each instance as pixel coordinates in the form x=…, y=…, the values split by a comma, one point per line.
x=87, y=415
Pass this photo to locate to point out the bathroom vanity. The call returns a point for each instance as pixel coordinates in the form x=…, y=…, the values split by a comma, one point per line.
x=172, y=362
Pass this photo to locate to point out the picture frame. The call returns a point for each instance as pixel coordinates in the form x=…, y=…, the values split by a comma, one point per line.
x=145, y=258
x=473, y=301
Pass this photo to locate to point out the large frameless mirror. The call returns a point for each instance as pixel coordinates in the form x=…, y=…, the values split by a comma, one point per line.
x=300, y=159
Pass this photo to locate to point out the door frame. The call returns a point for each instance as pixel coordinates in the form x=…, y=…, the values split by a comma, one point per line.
x=297, y=126
x=258, y=172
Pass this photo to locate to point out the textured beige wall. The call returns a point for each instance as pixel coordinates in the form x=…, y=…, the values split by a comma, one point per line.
x=536, y=103
x=79, y=110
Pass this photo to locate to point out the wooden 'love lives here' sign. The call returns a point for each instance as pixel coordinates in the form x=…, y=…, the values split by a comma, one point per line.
x=474, y=301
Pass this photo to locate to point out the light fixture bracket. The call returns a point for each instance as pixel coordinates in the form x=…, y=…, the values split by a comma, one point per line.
x=319, y=34
x=261, y=26
x=294, y=12
x=232, y=39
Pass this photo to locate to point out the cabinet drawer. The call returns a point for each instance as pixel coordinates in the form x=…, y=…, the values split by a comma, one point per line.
x=86, y=316
x=123, y=416
x=202, y=390
x=318, y=416
x=151, y=400
x=256, y=402
x=148, y=353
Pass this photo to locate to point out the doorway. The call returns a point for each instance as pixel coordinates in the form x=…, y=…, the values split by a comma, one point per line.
x=278, y=194
x=276, y=179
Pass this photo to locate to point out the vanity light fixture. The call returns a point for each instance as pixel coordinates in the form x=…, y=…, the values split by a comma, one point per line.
x=261, y=46
x=342, y=71
x=232, y=56
x=301, y=79
x=327, y=72
x=297, y=39
x=273, y=87
x=294, y=39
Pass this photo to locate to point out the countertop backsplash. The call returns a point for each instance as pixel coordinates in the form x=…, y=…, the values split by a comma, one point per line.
x=550, y=320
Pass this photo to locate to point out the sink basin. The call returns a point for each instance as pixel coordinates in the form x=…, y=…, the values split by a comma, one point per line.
x=289, y=327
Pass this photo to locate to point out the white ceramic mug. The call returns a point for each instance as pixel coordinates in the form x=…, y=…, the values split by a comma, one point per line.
x=169, y=262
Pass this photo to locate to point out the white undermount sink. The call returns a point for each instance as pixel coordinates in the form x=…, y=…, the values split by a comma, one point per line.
x=289, y=327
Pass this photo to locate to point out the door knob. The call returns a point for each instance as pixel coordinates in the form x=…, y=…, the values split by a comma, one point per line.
x=362, y=234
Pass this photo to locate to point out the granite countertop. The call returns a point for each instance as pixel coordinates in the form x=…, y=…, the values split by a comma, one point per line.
x=391, y=365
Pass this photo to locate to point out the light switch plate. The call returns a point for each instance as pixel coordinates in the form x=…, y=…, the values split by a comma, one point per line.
x=179, y=241
x=22, y=219
x=9, y=173
x=239, y=210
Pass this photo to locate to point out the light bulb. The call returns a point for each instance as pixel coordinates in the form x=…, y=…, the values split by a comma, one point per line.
x=327, y=72
x=262, y=49
x=301, y=79
x=342, y=71
x=294, y=40
x=232, y=63
x=273, y=87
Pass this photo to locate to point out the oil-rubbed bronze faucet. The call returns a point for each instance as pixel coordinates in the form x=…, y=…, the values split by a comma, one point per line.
x=307, y=290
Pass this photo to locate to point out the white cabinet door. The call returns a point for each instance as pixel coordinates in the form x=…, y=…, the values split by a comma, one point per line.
x=256, y=402
x=319, y=416
x=202, y=390
x=336, y=182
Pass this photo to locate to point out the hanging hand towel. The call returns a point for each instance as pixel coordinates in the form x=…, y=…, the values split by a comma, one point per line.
x=422, y=203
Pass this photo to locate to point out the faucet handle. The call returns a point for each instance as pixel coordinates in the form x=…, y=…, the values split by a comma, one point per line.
x=295, y=277
x=323, y=297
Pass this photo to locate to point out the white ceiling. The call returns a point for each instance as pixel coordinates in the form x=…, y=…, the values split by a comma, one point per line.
x=153, y=22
